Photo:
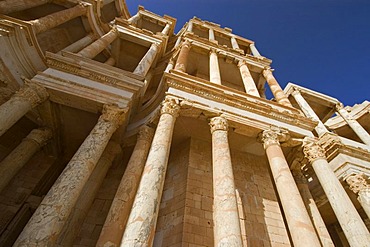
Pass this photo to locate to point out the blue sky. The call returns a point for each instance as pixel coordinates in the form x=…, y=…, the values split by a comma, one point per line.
x=323, y=45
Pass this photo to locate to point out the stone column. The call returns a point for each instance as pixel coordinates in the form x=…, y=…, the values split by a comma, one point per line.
x=312, y=209
x=100, y=44
x=307, y=110
x=214, y=69
x=87, y=196
x=178, y=41
x=29, y=96
x=140, y=228
x=119, y=211
x=182, y=59
x=110, y=61
x=226, y=227
x=79, y=44
x=249, y=85
x=53, y=20
x=359, y=184
x=22, y=154
x=45, y=225
x=254, y=50
x=146, y=62
x=169, y=65
x=355, y=126
x=190, y=26
x=166, y=29
x=299, y=223
x=234, y=43
x=10, y=6
x=211, y=34
x=134, y=19
x=276, y=90
x=349, y=219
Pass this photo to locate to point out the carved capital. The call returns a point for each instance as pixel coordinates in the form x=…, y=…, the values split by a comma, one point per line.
x=241, y=63
x=212, y=50
x=357, y=183
x=295, y=92
x=170, y=106
x=40, y=136
x=267, y=72
x=218, y=123
x=273, y=136
x=313, y=151
x=113, y=114
x=33, y=93
x=146, y=133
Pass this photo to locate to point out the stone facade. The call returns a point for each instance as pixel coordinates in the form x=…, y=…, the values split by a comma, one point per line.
x=116, y=131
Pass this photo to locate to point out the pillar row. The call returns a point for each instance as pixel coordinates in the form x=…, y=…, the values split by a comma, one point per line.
x=227, y=231
x=53, y=20
x=299, y=223
x=100, y=44
x=276, y=90
x=46, y=224
x=27, y=97
x=140, y=228
x=359, y=184
x=349, y=219
x=312, y=208
x=22, y=154
x=118, y=214
x=249, y=84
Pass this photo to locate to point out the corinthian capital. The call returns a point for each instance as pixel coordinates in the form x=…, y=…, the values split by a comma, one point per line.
x=313, y=151
x=33, y=93
x=113, y=114
x=273, y=136
x=218, y=123
x=357, y=183
x=170, y=106
x=146, y=133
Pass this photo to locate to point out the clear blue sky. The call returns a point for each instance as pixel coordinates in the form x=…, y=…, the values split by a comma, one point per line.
x=323, y=45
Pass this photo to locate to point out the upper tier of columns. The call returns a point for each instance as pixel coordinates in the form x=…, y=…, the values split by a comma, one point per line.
x=299, y=223
x=99, y=45
x=276, y=90
x=46, y=224
x=353, y=227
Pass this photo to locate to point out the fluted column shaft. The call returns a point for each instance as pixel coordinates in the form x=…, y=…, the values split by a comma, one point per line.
x=214, y=68
x=146, y=62
x=22, y=154
x=10, y=6
x=349, y=219
x=115, y=222
x=276, y=90
x=355, y=126
x=312, y=209
x=48, y=22
x=227, y=231
x=79, y=44
x=99, y=45
x=307, y=110
x=359, y=184
x=45, y=225
x=87, y=196
x=299, y=223
x=29, y=96
x=141, y=223
x=182, y=59
x=249, y=85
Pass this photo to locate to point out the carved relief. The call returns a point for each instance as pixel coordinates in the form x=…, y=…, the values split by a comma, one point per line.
x=273, y=136
x=357, y=183
x=113, y=114
x=313, y=151
x=170, y=106
x=33, y=93
x=218, y=123
x=146, y=133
